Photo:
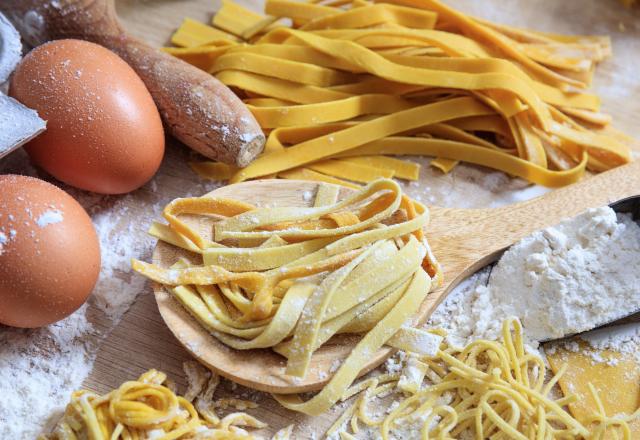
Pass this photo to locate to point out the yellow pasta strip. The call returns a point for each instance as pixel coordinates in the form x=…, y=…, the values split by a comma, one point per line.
x=372, y=341
x=485, y=33
x=165, y=233
x=378, y=65
x=603, y=147
x=547, y=93
x=297, y=10
x=451, y=44
x=203, y=57
x=303, y=343
x=451, y=132
x=359, y=319
x=444, y=165
x=193, y=33
x=280, y=68
x=237, y=226
x=199, y=206
x=576, y=57
x=234, y=18
x=353, y=290
x=401, y=168
x=372, y=15
x=360, y=134
x=478, y=155
x=494, y=124
x=530, y=36
x=249, y=259
x=332, y=111
x=278, y=88
x=595, y=118
x=302, y=54
x=349, y=170
x=213, y=170
x=307, y=174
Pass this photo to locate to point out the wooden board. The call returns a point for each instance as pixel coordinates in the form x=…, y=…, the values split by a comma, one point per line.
x=142, y=341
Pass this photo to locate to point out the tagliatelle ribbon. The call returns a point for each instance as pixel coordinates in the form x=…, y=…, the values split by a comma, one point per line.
x=376, y=65
x=290, y=278
x=372, y=341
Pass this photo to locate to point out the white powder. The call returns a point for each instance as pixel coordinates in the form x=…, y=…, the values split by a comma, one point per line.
x=120, y=240
x=18, y=124
x=10, y=48
x=624, y=339
x=3, y=240
x=33, y=390
x=49, y=218
x=562, y=280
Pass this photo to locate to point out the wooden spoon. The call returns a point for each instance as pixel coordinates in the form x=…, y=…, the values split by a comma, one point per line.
x=463, y=240
x=197, y=109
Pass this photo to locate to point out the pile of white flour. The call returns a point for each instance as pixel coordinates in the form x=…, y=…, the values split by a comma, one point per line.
x=559, y=281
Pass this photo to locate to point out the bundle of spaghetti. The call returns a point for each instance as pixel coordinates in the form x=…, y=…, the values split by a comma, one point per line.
x=150, y=408
x=489, y=389
x=351, y=82
x=290, y=278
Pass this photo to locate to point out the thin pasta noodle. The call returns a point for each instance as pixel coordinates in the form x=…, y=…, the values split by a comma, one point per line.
x=488, y=389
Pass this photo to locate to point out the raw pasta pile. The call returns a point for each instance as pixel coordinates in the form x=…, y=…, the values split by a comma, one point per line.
x=348, y=82
x=490, y=389
x=290, y=278
x=150, y=408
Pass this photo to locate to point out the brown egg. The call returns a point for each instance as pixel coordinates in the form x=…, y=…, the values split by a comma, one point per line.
x=104, y=133
x=49, y=253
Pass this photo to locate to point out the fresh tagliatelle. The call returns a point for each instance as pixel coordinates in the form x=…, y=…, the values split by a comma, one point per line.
x=150, y=408
x=349, y=82
x=290, y=278
x=489, y=389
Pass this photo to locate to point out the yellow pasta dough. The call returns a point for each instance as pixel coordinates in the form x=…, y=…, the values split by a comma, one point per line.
x=347, y=74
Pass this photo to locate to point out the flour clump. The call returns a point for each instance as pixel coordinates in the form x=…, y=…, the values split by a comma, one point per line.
x=562, y=280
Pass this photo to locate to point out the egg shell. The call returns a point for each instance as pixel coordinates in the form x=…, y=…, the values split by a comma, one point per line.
x=104, y=132
x=49, y=253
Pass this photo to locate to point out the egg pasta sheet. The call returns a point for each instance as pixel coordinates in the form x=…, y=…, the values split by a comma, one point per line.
x=405, y=77
x=290, y=278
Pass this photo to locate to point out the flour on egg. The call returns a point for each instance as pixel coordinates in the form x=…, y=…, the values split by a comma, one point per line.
x=49, y=218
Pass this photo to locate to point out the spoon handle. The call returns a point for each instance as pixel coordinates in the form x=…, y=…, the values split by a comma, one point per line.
x=196, y=108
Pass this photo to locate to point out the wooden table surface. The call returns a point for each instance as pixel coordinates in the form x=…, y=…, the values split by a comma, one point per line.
x=142, y=341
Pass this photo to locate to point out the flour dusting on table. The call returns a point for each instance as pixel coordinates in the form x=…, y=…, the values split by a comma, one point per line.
x=40, y=368
x=37, y=370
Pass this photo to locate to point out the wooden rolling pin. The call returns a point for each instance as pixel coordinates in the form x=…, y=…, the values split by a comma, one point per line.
x=196, y=108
